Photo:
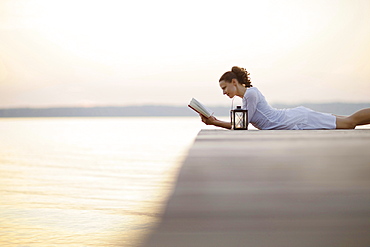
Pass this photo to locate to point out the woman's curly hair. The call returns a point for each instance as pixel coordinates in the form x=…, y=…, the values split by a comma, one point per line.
x=241, y=74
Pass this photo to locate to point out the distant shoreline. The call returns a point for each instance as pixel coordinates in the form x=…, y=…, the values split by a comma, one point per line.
x=156, y=111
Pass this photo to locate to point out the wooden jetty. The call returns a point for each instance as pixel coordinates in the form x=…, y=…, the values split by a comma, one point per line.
x=271, y=188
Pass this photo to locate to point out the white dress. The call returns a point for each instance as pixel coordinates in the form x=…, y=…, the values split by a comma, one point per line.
x=262, y=116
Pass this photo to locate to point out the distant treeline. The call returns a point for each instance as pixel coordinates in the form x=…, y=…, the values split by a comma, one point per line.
x=150, y=110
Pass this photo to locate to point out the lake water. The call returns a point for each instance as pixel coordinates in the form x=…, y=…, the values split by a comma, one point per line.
x=88, y=181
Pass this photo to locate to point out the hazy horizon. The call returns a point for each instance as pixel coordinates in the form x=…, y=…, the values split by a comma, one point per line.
x=160, y=110
x=185, y=105
x=98, y=53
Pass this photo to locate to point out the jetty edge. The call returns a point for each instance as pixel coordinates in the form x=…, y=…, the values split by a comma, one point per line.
x=270, y=188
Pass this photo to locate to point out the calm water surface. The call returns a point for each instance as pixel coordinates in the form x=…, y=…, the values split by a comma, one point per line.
x=87, y=181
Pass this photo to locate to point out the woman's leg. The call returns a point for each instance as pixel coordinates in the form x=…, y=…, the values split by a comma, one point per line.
x=360, y=117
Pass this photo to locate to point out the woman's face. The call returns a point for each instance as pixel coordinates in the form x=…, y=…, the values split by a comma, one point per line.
x=228, y=88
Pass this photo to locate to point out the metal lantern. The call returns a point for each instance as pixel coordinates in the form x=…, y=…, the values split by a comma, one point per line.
x=239, y=118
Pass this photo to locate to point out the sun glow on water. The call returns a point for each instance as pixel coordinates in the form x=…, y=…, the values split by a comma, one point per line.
x=87, y=181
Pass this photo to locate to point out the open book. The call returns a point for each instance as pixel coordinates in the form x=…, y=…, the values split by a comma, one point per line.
x=200, y=108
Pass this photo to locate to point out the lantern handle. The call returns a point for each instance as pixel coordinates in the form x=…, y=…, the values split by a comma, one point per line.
x=232, y=103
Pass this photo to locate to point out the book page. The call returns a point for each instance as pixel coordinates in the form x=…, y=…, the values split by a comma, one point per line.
x=200, y=108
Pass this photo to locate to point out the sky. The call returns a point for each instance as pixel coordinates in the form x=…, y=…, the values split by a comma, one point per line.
x=116, y=53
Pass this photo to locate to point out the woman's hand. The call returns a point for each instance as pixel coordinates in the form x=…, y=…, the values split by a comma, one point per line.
x=208, y=121
x=214, y=121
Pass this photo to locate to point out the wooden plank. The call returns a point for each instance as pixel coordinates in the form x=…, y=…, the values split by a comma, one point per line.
x=271, y=188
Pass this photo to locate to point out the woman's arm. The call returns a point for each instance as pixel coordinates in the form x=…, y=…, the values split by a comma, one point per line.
x=250, y=101
x=214, y=121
